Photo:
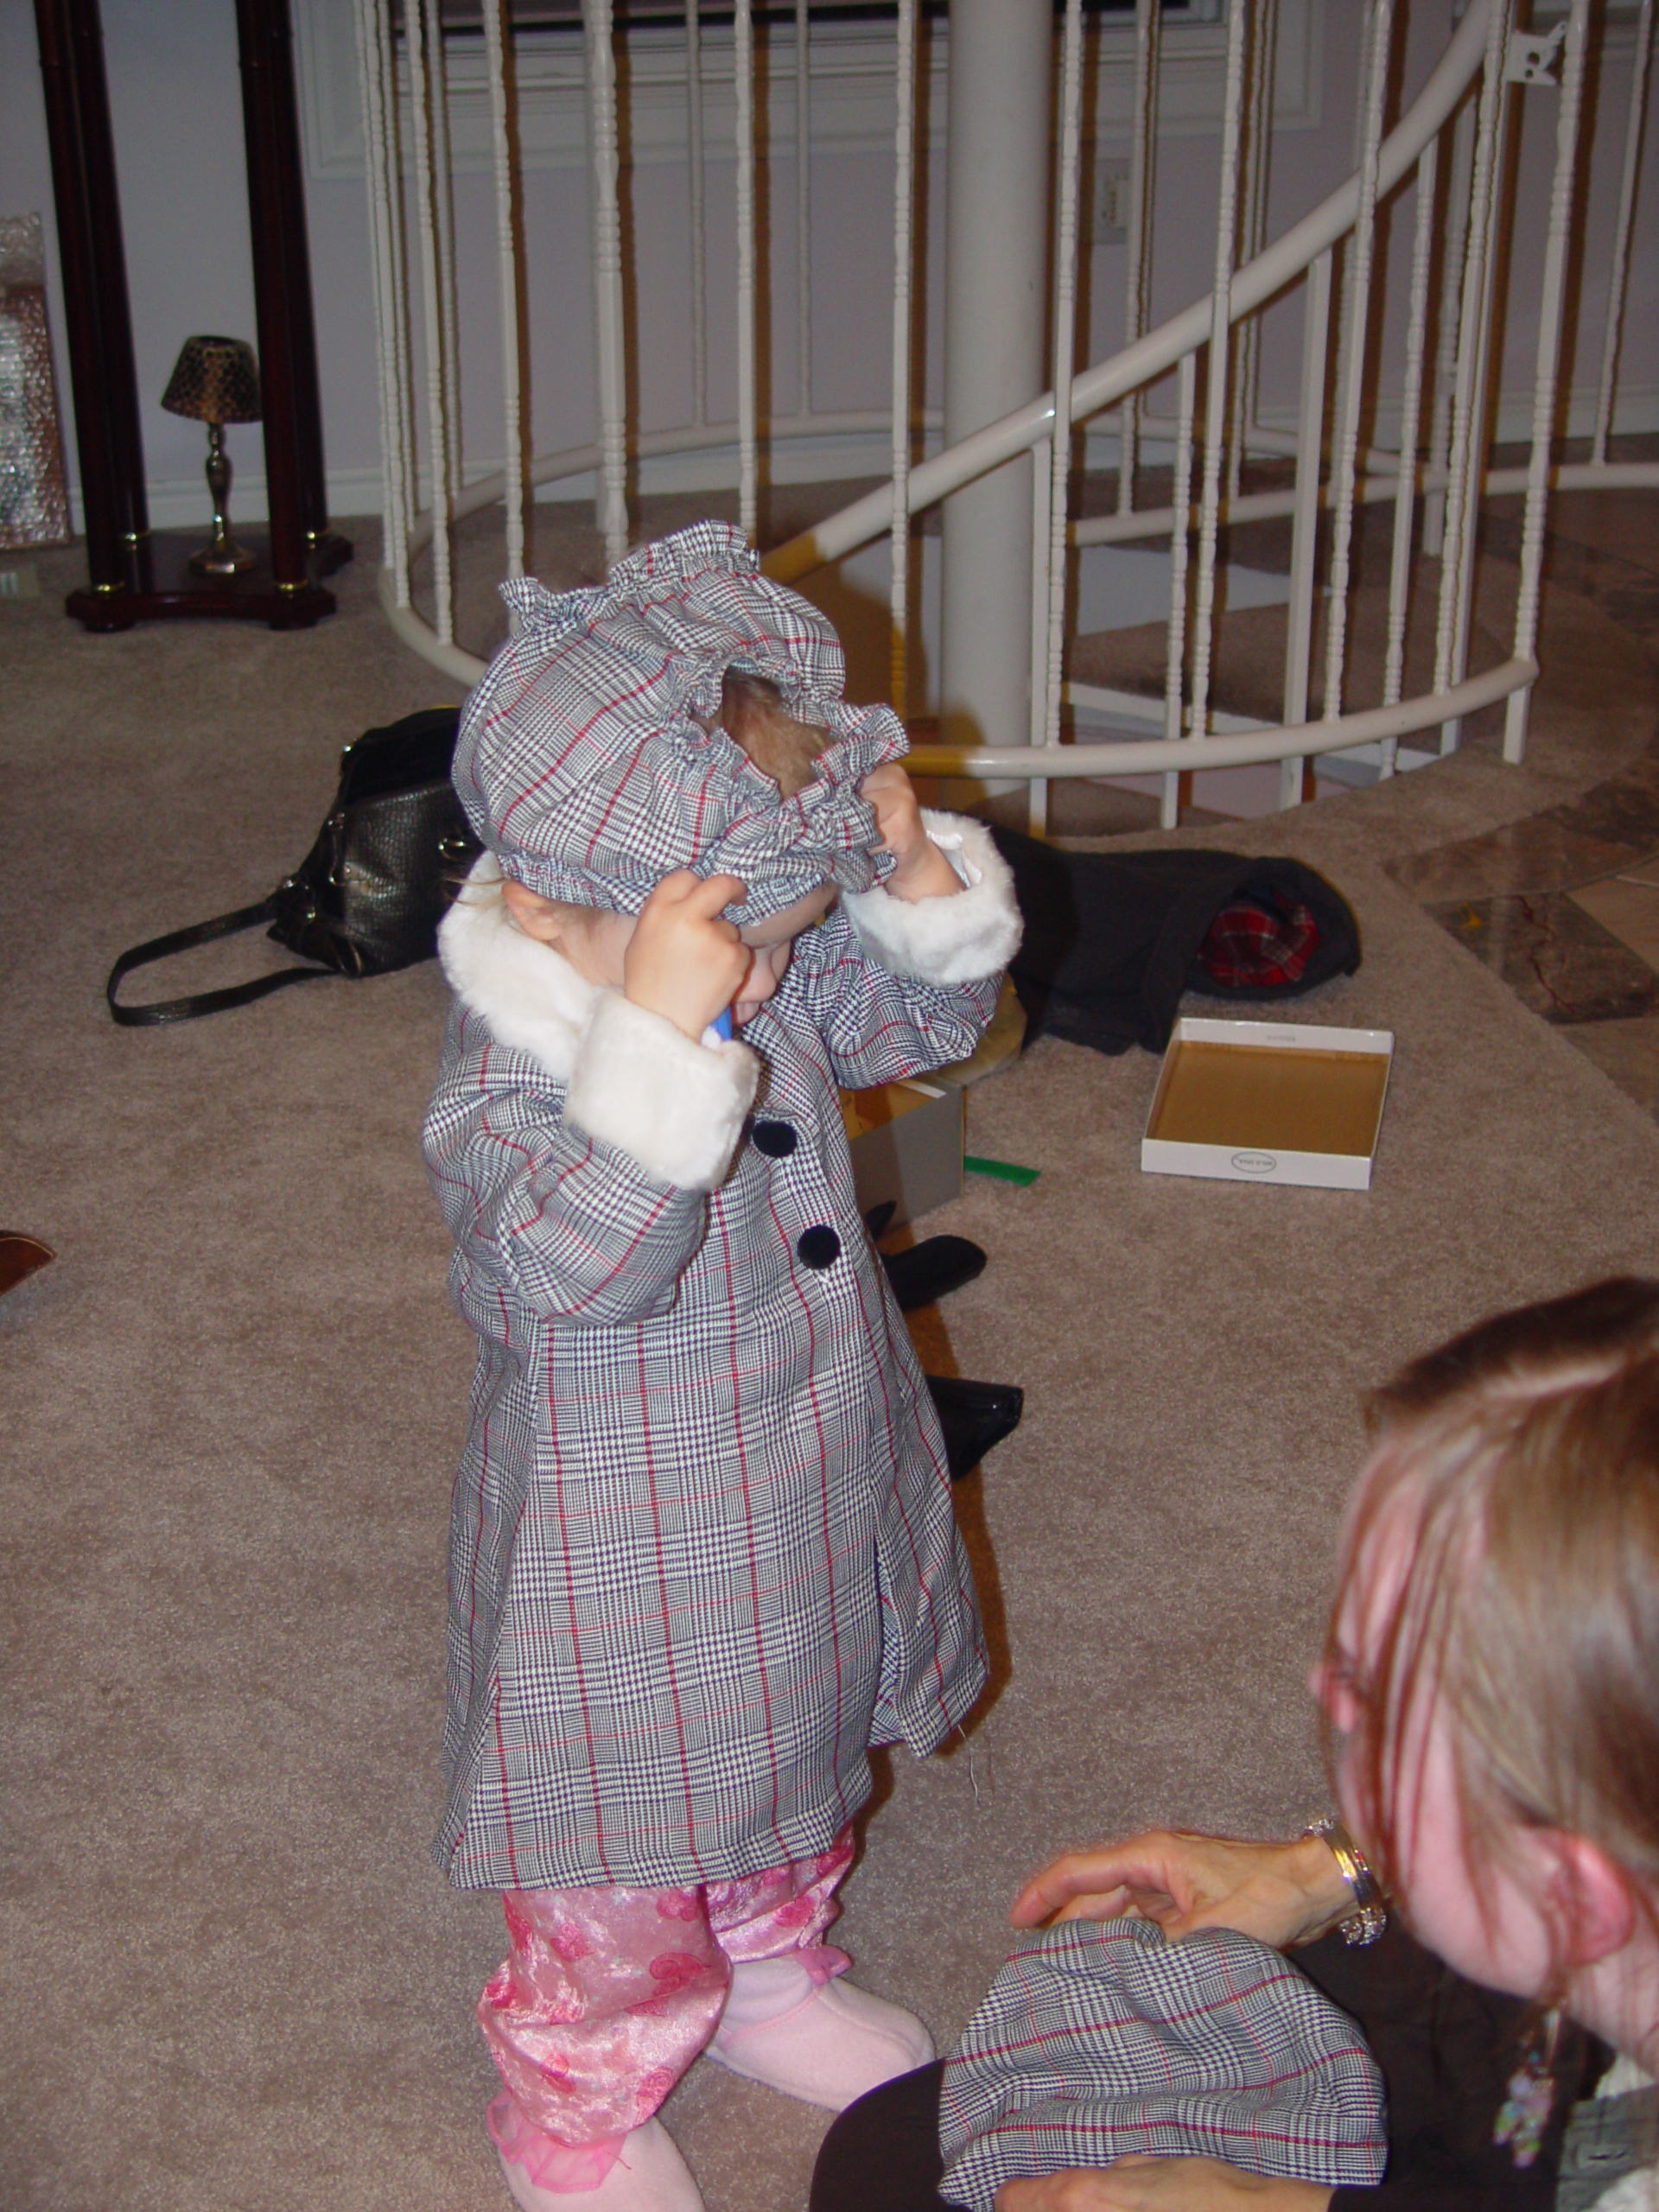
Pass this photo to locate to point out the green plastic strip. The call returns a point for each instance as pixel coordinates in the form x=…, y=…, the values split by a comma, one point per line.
x=1004, y=1171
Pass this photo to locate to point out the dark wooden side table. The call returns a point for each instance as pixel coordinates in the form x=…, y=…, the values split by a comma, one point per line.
x=133, y=576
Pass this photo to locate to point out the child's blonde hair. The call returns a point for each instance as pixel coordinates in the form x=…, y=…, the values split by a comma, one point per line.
x=752, y=710
x=1524, y=1457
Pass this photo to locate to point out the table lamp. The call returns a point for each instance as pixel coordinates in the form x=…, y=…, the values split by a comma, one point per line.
x=216, y=381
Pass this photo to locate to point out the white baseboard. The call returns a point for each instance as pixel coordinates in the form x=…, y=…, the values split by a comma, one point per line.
x=181, y=503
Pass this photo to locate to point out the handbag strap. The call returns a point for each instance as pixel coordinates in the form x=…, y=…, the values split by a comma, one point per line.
x=160, y=948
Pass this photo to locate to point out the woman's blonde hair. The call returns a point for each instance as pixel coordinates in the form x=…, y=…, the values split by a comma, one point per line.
x=1523, y=1458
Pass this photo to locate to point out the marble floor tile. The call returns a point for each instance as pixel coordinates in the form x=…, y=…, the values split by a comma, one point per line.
x=1628, y=905
x=1565, y=906
x=1629, y=1052
x=1557, y=958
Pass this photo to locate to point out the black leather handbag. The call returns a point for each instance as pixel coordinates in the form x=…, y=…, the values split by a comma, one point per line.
x=369, y=895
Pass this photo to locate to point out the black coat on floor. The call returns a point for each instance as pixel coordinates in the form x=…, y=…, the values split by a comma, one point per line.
x=1112, y=939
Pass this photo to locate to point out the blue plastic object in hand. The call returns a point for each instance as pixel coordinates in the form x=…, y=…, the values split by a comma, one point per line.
x=721, y=1024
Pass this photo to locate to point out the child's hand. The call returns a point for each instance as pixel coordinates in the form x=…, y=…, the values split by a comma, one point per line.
x=683, y=961
x=922, y=871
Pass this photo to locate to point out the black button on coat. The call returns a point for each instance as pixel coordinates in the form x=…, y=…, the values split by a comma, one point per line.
x=819, y=1247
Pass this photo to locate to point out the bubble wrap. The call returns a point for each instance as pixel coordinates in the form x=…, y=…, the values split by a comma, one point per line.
x=33, y=497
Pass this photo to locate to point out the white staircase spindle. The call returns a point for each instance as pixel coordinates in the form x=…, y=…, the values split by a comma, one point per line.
x=1066, y=304
x=1459, y=188
x=1254, y=229
x=903, y=205
x=444, y=198
x=402, y=366
x=1619, y=275
x=747, y=475
x=1215, y=405
x=421, y=104
x=1410, y=424
x=694, y=177
x=1375, y=67
x=495, y=37
x=1550, y=308
x=1466, y=463
x=611, y=362
x=1143, y=157
x=1180, y=537
x=372, y=34
x=1304, y=540
x=1345, y=263
x=1042, y=482
x=804, y=204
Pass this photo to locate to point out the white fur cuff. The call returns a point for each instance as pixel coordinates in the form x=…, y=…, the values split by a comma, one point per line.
x=674, y=1106
x=957, y=940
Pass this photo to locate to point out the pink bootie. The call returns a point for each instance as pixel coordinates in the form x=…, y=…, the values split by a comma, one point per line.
x=641, y=2172
x=824, y=2041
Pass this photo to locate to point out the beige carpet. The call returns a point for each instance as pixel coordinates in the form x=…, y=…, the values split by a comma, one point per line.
x=231, y=1976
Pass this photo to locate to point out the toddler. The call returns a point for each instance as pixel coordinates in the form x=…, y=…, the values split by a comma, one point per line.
x=703, y=1551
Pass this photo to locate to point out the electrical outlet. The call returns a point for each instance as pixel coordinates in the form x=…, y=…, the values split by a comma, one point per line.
x=1109, y=203
x=20, y=583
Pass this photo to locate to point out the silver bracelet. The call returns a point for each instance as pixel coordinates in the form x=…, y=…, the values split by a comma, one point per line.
x=1370, y=1914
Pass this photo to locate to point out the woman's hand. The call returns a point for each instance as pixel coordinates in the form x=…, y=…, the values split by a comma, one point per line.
x=922, y=871
x=1280, y=1893
x=683, y=961
x=1138, y=2184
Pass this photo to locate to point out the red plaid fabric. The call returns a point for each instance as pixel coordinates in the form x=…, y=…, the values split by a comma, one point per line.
x=1251, y=947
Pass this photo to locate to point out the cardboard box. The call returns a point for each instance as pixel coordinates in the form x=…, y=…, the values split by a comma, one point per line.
x=905, y=1139
x=1258, y=1101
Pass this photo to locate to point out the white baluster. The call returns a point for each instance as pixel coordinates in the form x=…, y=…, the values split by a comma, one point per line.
x=1466, y=460
x=371, y=31
x=422, y=90
x=903, y=190
x=693, y=168
x=1549, y=353
x=611, y=504
x=449, y=312
x=1142, y=161
x=1304, y=540
x=1410, y=424
x=1065, y=308
x=512, y=502
x=402, y=367
x=1345, y=265
x=1179, y=541
x=1459, y=186
x=1375, y=69
x=1254, y=229
x=747, y=473
x=1042, y=480
x=803, y=208
x=1619, y=276
x=1215, y=405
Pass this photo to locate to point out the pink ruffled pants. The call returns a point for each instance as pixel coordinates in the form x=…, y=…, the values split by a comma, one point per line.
x=607, y=1996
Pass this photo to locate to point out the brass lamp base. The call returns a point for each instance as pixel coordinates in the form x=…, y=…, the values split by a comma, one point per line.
x=224, y=557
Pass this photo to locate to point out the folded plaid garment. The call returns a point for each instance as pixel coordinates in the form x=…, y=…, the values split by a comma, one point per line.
x=1249, y=946
x=1100, y=2038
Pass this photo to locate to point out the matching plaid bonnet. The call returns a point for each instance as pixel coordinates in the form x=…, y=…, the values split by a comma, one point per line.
x=582, y=763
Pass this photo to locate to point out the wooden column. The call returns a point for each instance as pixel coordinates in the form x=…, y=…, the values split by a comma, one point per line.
x=133, y=577
x=96, y=321
x=282, y=276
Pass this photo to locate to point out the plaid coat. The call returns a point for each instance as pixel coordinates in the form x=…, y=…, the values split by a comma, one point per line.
x=703, y=1549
